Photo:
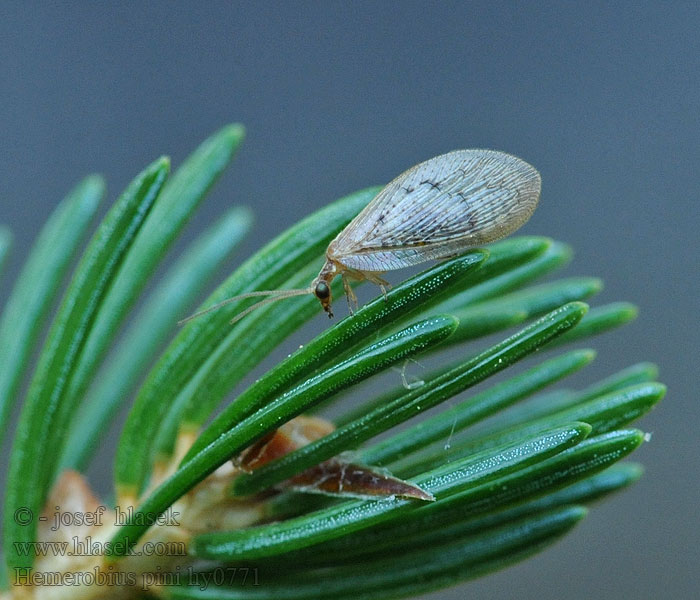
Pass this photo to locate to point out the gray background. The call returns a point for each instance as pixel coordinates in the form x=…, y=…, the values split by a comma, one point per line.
x=603, y=98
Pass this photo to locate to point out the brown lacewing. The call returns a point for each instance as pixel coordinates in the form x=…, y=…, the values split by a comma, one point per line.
x=435, y=210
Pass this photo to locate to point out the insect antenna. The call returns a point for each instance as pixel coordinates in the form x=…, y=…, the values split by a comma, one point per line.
x=277, y=295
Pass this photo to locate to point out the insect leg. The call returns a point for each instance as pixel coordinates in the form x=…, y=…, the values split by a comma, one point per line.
x=349, y=294
x=416, y=383
x=383, y=284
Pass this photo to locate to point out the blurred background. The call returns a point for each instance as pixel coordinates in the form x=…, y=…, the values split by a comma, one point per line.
x=603, y=98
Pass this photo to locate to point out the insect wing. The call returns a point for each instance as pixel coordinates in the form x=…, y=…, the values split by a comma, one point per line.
x=439, y=208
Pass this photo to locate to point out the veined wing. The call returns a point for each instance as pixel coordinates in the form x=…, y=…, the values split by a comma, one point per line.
x=439, y=208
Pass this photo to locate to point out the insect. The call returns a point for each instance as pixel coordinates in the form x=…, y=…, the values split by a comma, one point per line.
x=435, y=210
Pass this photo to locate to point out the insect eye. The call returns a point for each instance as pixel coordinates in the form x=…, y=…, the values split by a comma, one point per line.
x=322, y=290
